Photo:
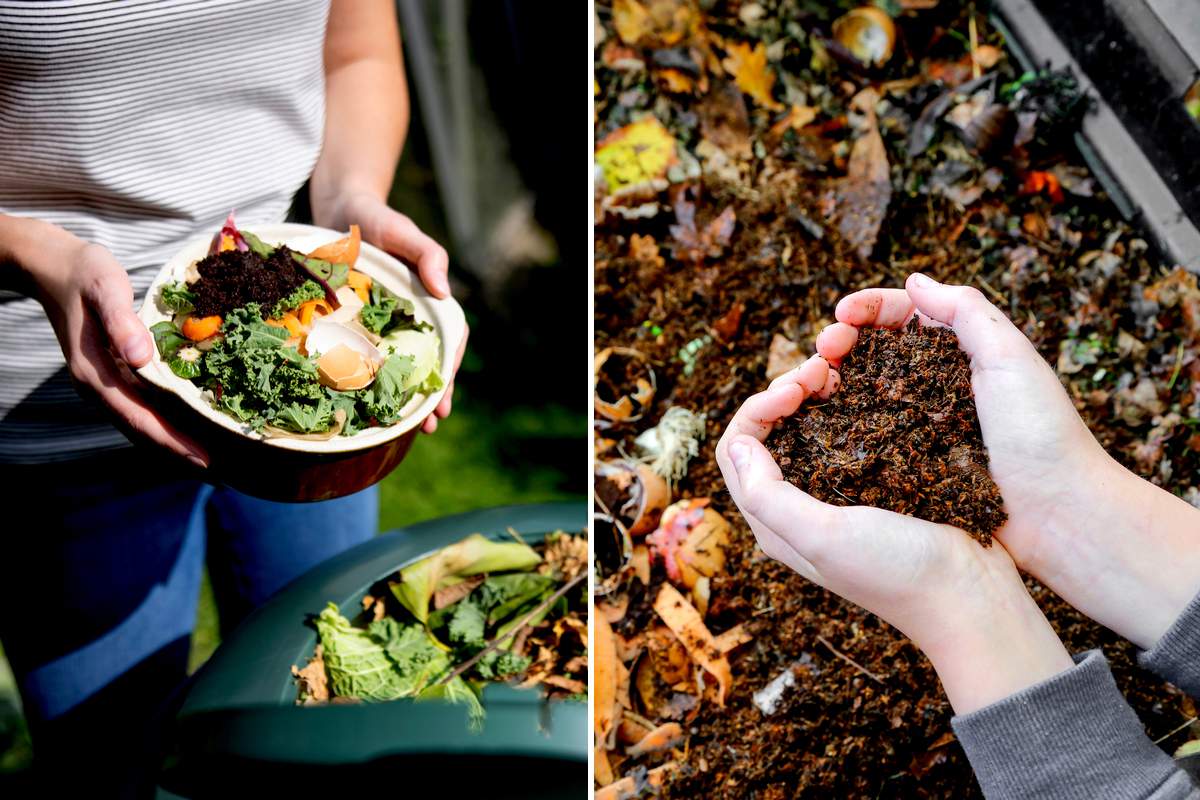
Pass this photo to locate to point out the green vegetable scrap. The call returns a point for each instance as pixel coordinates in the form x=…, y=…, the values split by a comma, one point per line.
x=452, y=565
x=386, y=312
x=177, y=297
x=309, y=290
x=473, y=612
x=389, y=661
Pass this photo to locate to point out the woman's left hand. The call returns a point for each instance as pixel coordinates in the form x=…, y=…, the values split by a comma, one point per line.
x=389, y=230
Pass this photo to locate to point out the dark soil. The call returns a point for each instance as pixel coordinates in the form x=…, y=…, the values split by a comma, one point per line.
x=900, y=434
x=234, y=278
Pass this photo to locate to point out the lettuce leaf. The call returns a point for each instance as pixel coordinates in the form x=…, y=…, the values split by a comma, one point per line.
x=388, y=661
x=389, y=392
x=387, y=312
x=167, y=338
x=177, y=297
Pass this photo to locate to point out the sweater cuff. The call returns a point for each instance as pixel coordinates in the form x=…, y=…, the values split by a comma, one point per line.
x=1069, y=736
x=1176, y=656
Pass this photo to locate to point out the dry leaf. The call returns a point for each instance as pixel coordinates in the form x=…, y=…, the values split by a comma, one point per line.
x=663, y=737
x=748, y=67
x=783, y=356
x=604, y=678
x=685, y=622
x=631, y=20
x=452, y=594
x=628, y=787
x=640, y=152
x=313, y=680
x=734, y=637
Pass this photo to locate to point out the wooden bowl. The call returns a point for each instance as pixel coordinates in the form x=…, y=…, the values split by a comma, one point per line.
x=281, y=468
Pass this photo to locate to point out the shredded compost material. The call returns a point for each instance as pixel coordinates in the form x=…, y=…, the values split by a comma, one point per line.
x=901, y=434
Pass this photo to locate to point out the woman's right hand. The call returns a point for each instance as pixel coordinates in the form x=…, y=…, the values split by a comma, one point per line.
x=1119, y=549
x=89, y=301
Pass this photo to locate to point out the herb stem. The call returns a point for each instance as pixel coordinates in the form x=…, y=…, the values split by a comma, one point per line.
x=495, y=643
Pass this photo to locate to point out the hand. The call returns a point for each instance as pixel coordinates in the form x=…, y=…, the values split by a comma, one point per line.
x=390, y=230
x=89, y=301
x=964, y=605
x=1117, y=548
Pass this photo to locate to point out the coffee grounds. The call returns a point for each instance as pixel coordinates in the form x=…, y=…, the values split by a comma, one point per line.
x=233, y=278
x=900, y=434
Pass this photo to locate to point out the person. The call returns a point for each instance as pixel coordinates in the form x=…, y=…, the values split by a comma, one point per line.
x=130, y=128
x=1034, y=721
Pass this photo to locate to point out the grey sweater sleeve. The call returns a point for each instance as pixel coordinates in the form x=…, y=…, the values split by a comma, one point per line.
x=1176, y=657
x=1070, y=736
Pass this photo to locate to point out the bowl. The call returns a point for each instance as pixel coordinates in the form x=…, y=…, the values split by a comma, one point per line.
x=238, y=720
x=281, y=468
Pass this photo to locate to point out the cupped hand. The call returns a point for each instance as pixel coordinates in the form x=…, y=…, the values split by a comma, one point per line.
x=931, y=581
x=89, y=301
x=395, y=233
x=1069, y=504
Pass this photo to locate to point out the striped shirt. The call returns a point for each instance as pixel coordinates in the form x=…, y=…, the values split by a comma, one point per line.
x=138, y=125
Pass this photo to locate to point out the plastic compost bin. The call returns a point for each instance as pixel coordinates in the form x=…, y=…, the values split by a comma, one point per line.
x=239, y=730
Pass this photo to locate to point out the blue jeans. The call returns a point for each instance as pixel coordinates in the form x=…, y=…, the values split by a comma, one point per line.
x=98, y=591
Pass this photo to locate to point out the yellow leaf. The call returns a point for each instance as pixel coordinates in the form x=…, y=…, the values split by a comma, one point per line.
x=641, y=151
x=748, y=67
x=631, y=19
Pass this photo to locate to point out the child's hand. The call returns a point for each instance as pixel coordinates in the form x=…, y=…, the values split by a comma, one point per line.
x=964, y=605
x=1115, y=547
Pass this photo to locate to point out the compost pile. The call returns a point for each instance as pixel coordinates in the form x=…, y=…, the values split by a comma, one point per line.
x=443, y=627
x=756, y=161
x=900, y=433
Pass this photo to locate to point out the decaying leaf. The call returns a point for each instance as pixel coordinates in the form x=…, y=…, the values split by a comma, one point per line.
x=604, y=678
x=631, y=19
x=663, y=737
x=637, y=785
x=639, y=153
x=748, y=67
x=564, y=557
x=783, y=356
x=654, y=23
x=733, y=638
x=685, y=622
x=692, y=244
x=455, y=592
x=313, y=681
x=859, y=201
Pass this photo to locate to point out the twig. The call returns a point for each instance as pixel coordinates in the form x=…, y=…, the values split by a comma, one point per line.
x=495, y=643
x=850, y=660
x=1175, y=731
x=976, y=72
x=990, y=289
x=1178, y=366
x=513, y=533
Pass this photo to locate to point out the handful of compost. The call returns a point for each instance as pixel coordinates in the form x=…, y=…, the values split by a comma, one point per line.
x=901, y=433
